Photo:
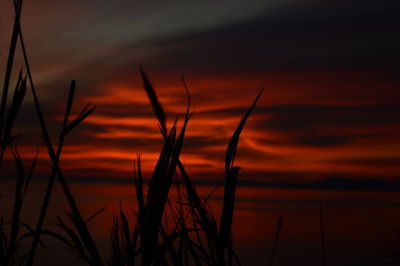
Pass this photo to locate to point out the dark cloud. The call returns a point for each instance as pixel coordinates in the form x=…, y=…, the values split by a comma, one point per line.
x=330, y=35
x=378, y=162
x=324, y=141
x=297, y=118
x=304, y=35
x=321, y=125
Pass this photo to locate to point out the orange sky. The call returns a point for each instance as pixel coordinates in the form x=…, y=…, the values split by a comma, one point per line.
x=298, y=133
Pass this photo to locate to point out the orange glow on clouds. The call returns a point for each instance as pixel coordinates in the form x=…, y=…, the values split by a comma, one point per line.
x=292, y=130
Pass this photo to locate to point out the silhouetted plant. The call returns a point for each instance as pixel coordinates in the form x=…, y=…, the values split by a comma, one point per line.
x=149, y=239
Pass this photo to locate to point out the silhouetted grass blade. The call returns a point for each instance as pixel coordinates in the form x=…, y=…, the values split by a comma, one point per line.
x=279, y=225
x=13, y=110
x=18, y=201
x=231, y=174
x=233, y=142
x=9, y=67
x=69, y=104
x=95, y=214
x=76, y=246
x=157, y=108
x=18, y=97
x=84, y=114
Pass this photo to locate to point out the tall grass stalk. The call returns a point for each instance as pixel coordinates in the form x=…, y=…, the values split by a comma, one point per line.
x=161, y=180
x=50, y=185
x=8, y=72
x=79, y=222
x=276, y=240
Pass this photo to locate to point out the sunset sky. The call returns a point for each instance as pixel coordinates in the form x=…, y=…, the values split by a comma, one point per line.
x=330, y=107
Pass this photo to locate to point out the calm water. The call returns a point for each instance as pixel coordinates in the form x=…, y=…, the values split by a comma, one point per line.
x=356, y=222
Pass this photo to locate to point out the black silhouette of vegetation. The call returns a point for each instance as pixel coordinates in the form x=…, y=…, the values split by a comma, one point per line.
x=150, y=240
x=194, y=236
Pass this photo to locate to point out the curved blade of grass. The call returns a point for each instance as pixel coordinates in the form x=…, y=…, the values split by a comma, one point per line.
x=157, y=108
x=207, y=224
x=116, y=257
x=84, y=114
x=276, y=240
x=231, y=174
x=76, y=245
x=95, y=215
x=69, y=103
x=13, y=110
x=233, y=142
